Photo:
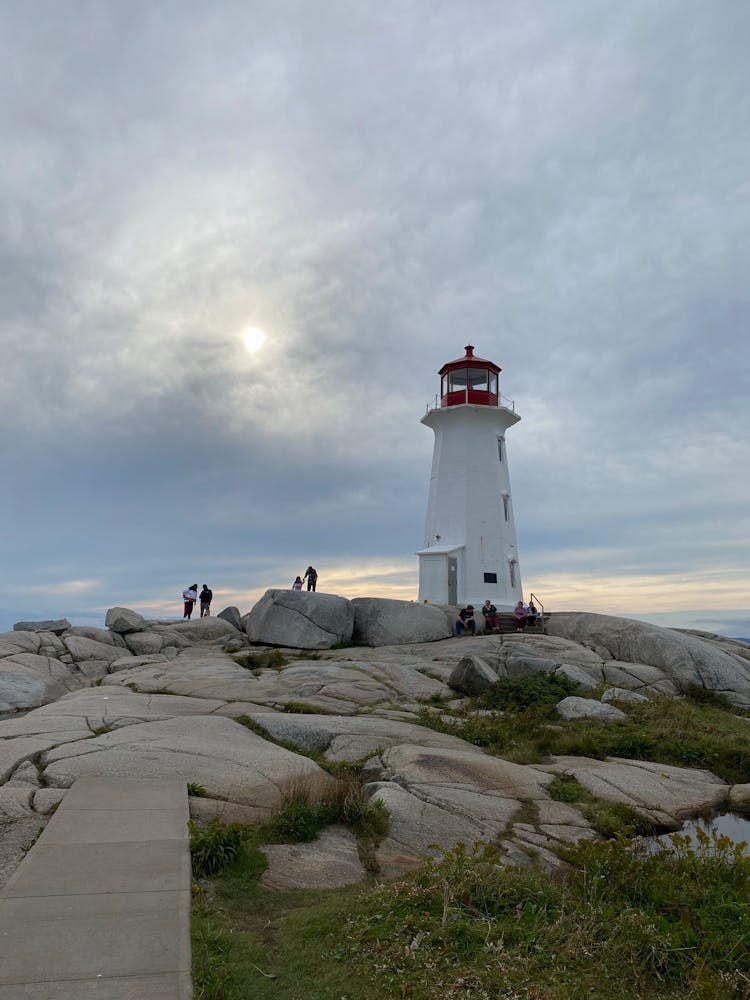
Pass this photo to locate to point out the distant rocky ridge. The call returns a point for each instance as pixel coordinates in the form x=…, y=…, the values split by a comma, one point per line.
x=146, y=698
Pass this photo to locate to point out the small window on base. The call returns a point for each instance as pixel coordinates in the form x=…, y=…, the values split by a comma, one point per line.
x=490, y=577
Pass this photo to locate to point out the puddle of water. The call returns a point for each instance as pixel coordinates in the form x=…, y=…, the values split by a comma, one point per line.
x=731, y=825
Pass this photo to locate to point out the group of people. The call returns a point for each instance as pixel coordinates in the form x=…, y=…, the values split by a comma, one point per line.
x=191, y=597
x=311, y=575
x=523, y=614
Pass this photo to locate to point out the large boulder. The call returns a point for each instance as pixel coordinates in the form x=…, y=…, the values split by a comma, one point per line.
x=301, y=620
x=233, y=616
x=123, y=621
x=56, y=626
x=472, y=675
x=382, y=622
x=29, y=679
x=684, y=659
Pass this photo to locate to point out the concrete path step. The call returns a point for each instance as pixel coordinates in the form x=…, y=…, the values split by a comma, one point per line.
x=100, y=906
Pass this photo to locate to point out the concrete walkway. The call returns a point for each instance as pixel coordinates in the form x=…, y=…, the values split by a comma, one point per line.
x=100, y=906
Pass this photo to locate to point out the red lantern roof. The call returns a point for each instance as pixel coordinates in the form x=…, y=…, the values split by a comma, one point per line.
x=469, y=358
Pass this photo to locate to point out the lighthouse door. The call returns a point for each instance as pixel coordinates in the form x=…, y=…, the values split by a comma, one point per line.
x=452, y=580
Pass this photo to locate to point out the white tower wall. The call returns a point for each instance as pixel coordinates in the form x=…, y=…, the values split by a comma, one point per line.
x=469, y=528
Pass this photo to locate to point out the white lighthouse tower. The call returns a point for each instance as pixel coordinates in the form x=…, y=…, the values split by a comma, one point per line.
x=470, y=551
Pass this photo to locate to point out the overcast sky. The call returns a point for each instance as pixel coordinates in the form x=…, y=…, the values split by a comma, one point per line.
x=373, y=186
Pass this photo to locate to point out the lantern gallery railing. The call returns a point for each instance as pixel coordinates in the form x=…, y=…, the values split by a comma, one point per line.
x=502, y=401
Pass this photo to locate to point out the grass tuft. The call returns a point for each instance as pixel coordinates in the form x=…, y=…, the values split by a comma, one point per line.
x=215, y=846
x=269, y=659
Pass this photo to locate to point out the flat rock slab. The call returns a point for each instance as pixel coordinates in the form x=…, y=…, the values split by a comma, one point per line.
x=443, y=796
x=111, y=706
x=330, y=686
x=326, y=863
x=228, y=760
x=661, y=792
x=100, y=906
x=682, y=658
x=193, y=673
x=344, y=737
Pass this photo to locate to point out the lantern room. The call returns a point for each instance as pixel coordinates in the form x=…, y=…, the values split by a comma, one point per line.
x=469, y=380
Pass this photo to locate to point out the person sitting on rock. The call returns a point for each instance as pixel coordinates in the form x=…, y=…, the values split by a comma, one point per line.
x=205, y=597
x=311, y=575
x=491, y=619
x=297, y=585
x=519, y=613
x=466, y=621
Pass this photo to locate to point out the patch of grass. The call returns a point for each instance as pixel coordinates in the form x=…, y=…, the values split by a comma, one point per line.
x=310, y=807
x=565, y=788
x=436, y=698
x=268, y=659
x=615, y=924
x=664, y=730
x=254, y=942
x=513, y=735
x=685, y=732
x=195, y=790
x=307, y=654
x=616, y=819
x=704, y=696
x=303, y=708
x=215, y=846
x=539, y=690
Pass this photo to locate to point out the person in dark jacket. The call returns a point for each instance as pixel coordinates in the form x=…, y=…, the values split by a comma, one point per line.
x=311, y=575
x=466, y=621
x=205, y=597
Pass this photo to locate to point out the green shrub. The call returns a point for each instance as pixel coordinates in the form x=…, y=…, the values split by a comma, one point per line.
x=215, y=846
x=308, y=811
x=538, y=690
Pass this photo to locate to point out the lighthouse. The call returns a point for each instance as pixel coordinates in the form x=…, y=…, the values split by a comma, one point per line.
x=470, y=551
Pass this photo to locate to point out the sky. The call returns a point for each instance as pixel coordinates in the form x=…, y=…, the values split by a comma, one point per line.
x=239, y=240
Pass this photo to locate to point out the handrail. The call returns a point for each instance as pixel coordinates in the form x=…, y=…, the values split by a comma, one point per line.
x=535, y=600
x=502, y=402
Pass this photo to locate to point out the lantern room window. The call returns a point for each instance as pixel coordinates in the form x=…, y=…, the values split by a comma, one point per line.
x=469, y=380
x=478, y=379
x=457, y=380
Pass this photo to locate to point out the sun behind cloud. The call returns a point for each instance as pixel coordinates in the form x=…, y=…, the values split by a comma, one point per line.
x=253, y=339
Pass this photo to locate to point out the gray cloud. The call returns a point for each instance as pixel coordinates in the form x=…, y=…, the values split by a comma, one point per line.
x=564, y=186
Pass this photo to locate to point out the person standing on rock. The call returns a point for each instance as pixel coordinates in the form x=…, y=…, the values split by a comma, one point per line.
x=205, y=597
x=297, y=585
x=311, y=575
x=189, y=596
